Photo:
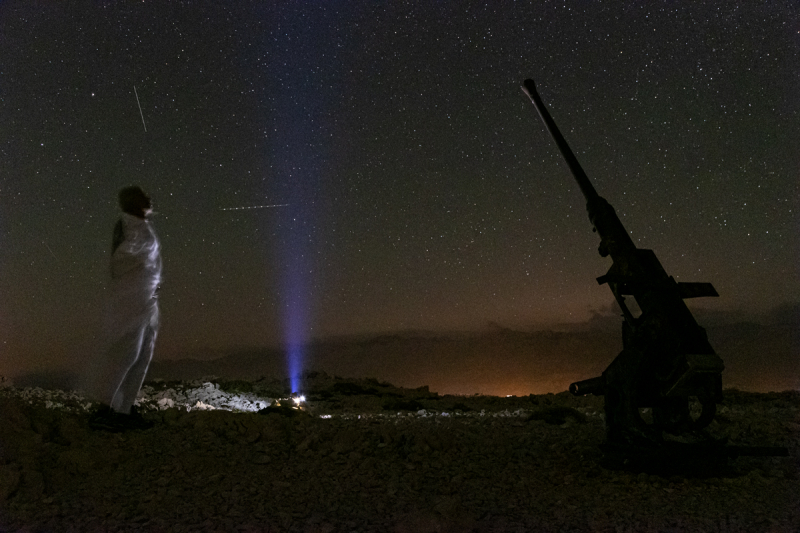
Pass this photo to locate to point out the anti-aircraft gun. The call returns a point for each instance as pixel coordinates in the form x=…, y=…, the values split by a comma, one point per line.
x=666, y=358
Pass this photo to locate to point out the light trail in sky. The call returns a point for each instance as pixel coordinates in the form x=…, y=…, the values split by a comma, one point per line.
x=140, y=108
x=251, y=207
x=49, y=250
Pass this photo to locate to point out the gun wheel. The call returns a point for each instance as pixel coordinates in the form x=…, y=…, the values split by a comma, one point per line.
x=708, y=410
x=680, y=415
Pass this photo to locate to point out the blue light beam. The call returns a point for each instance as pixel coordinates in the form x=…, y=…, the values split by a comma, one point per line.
x=300, y=123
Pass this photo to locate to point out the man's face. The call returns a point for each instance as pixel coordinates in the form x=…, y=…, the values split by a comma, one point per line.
x=139, y=205
x=147, y=205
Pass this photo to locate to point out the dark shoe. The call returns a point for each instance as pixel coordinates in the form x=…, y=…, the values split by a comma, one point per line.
x=105, y=419
x=136, y=421
x=102, y=410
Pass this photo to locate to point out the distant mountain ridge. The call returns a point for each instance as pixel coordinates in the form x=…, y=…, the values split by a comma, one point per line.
x=502, y=361
x=761, y=354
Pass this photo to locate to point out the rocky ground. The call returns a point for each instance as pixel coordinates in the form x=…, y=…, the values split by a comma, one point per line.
x=367, y=456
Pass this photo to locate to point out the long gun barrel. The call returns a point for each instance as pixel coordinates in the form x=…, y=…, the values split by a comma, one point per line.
x=666, y=357
x=580, y=176
x=614, y=237
x=665, y=352
x=596, y=386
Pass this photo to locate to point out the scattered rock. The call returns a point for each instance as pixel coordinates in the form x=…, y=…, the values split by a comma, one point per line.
x=444, y=464
x=9, y=480
x=557, y=415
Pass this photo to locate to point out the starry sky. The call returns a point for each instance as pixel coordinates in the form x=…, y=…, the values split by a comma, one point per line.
x=421, y=189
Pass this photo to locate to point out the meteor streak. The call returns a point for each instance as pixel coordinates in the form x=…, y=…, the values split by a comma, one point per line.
x=49, y=250
x=251, y=207
x=140, y=108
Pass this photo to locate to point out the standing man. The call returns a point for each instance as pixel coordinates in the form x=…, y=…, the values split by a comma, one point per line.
x=132, y=317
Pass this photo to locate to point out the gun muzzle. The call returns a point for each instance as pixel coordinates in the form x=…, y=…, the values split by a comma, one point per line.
x=596, y=386
x=529, y=88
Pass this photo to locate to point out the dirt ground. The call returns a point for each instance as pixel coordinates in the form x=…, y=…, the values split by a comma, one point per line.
x=366, y=456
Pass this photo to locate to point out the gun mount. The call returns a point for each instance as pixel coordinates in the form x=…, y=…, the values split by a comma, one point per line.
x=666, y=357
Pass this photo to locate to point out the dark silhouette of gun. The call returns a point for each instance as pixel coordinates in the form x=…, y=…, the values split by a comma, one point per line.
x=666, y=358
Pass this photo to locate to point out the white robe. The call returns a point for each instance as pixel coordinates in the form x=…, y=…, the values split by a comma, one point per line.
x=132, y=313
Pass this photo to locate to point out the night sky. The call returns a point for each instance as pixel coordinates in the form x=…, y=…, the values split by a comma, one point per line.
x=423, y=191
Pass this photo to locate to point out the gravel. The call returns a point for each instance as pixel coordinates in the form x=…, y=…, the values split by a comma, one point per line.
x=366, y=456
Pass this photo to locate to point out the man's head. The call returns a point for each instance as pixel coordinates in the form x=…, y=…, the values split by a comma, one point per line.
x=134, y=201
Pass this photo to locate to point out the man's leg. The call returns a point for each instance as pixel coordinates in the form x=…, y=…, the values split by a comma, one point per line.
x=134, y=378
x=120, y=359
